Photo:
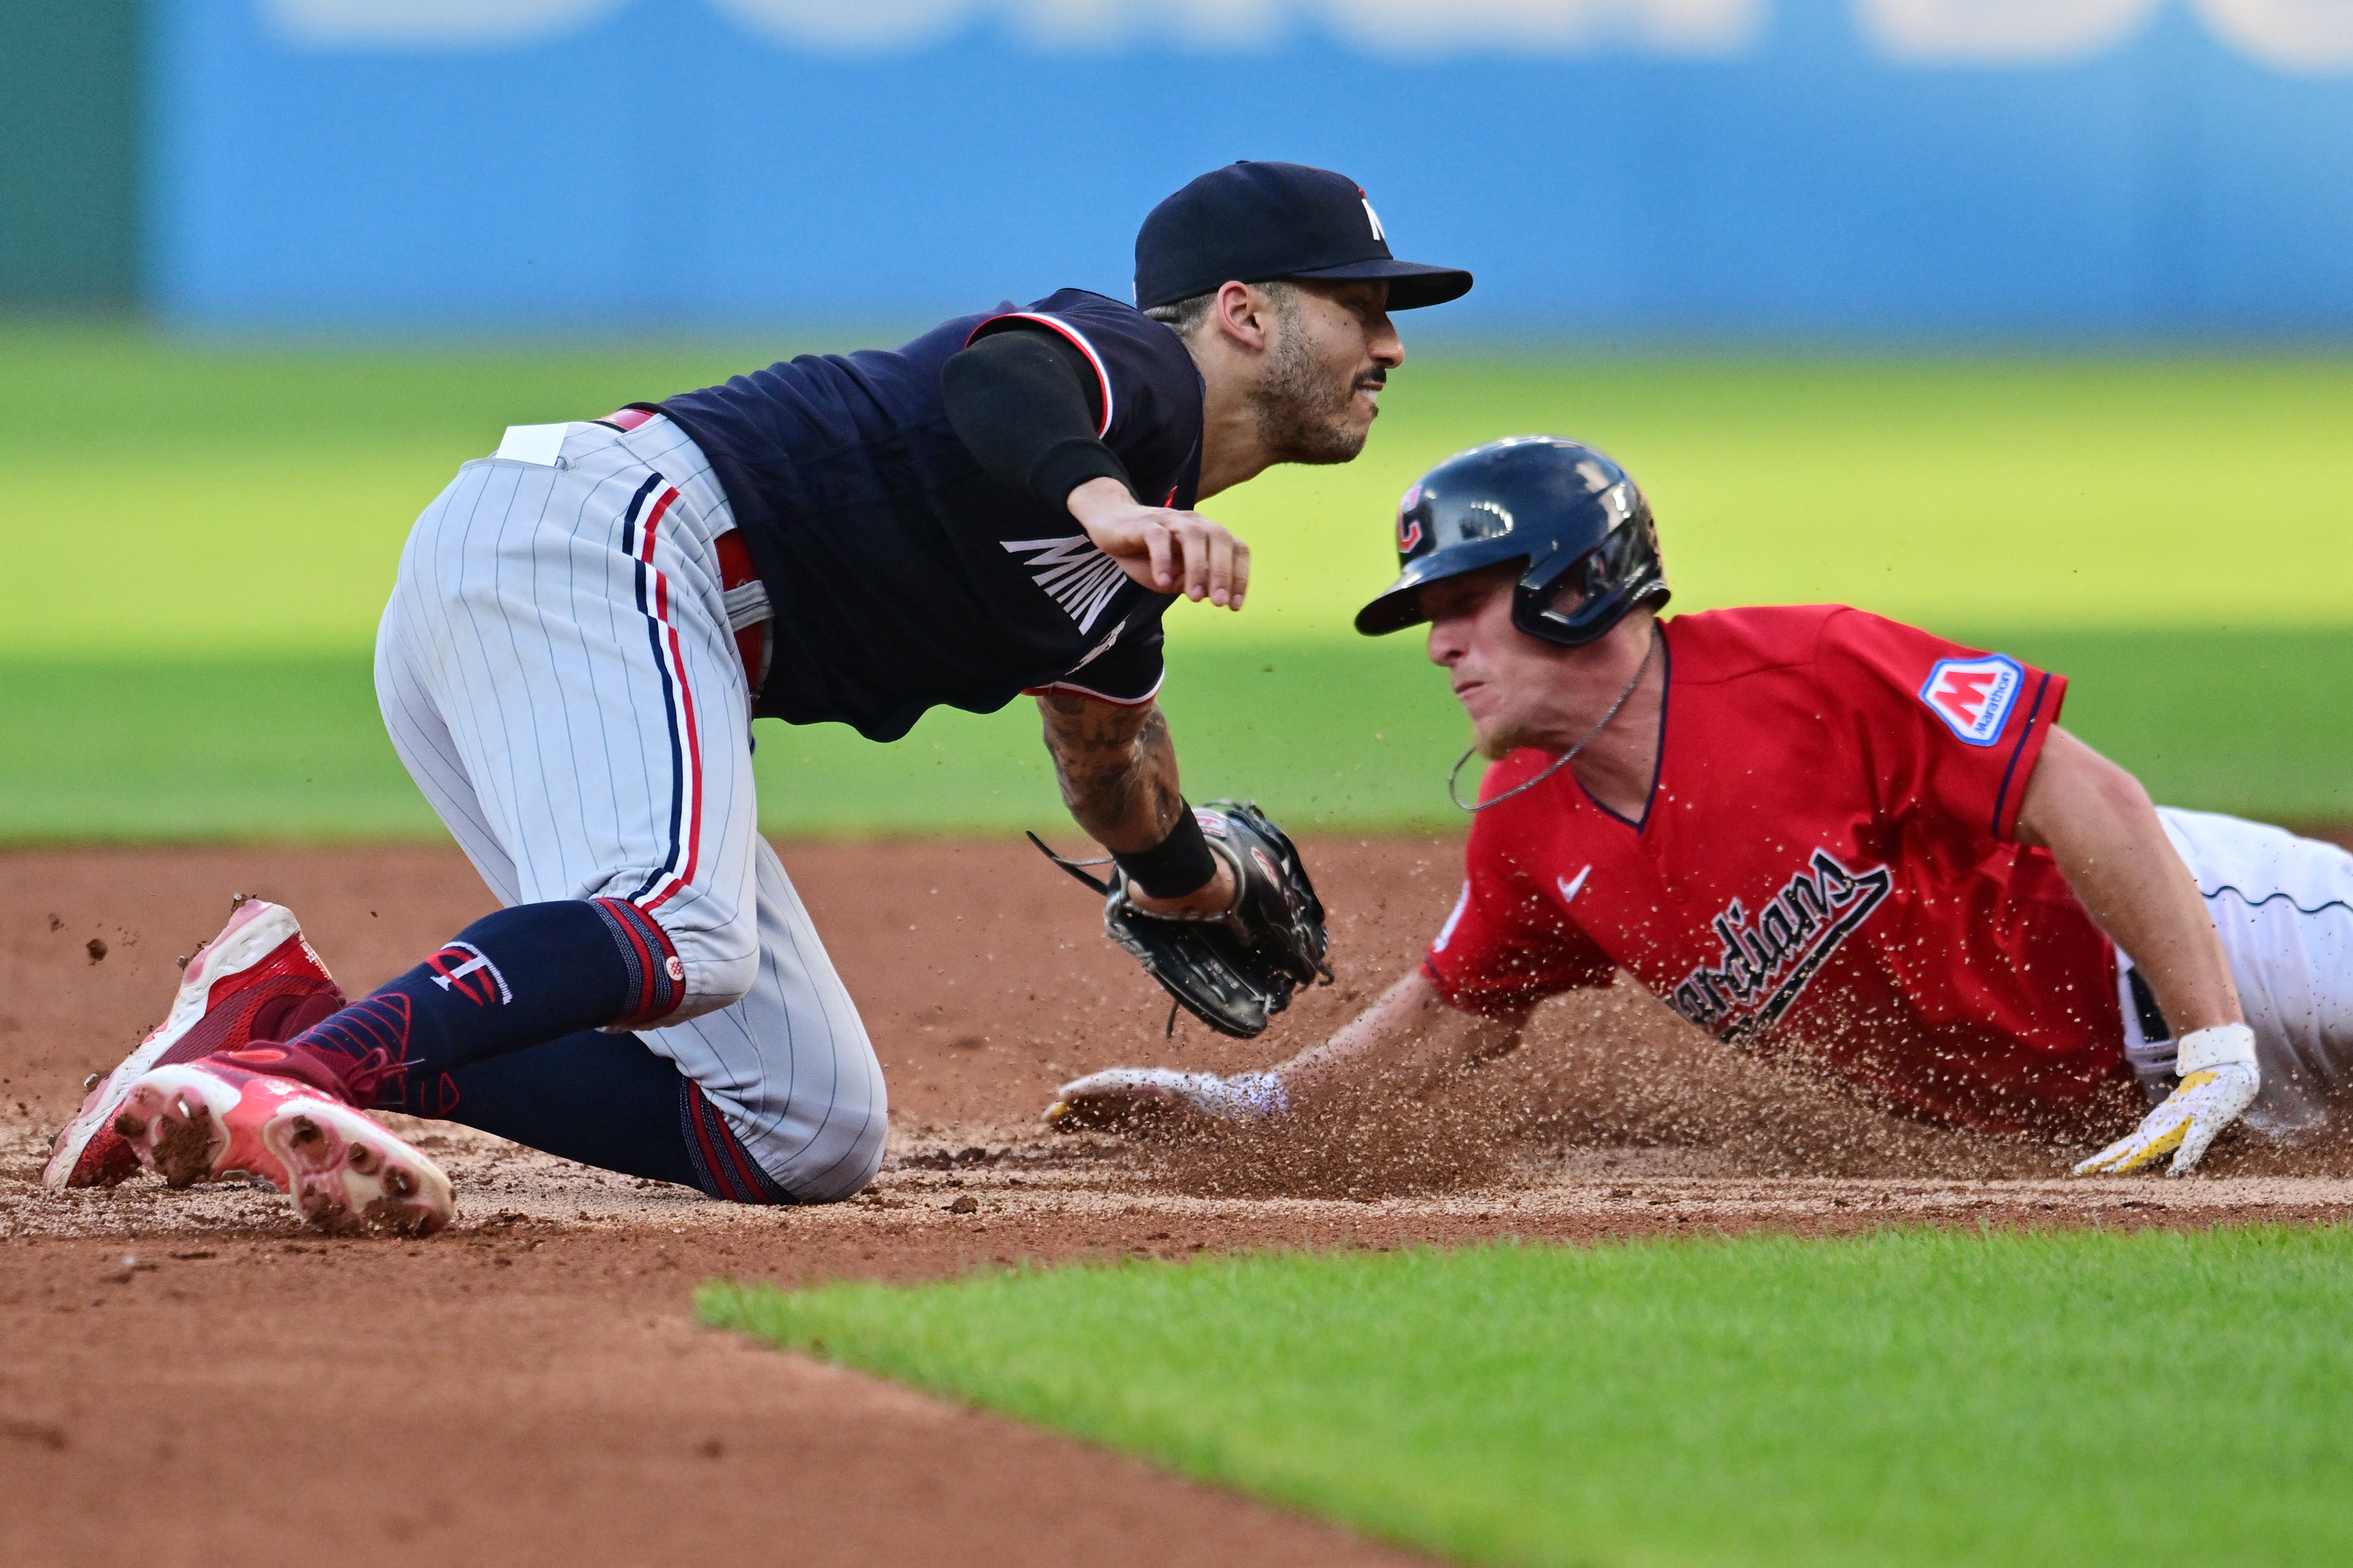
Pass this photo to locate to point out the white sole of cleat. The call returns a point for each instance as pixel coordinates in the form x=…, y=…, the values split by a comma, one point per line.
x=252, y=934
x=348, y=1174
x=177, y=1121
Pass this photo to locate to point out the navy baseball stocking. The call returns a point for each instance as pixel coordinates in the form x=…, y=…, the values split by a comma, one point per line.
x=502, y=1029
x=519, y=977
x=610, y=1101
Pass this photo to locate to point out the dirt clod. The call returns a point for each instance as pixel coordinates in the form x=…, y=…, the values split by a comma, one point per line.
x=183, y=1148
x=38, y=1434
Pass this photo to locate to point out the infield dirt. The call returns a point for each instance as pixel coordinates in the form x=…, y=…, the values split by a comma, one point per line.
x=190, y=1376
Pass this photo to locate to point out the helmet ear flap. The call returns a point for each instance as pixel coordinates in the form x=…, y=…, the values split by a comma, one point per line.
x=1619, y=575
x=1534, y=609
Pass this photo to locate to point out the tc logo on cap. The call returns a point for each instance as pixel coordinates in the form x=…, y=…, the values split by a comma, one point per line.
x=1372, y=218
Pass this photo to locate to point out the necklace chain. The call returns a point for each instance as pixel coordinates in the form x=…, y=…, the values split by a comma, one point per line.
x=1565, y=757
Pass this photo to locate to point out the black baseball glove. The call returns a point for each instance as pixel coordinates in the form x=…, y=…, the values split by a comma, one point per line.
x=1235, y=970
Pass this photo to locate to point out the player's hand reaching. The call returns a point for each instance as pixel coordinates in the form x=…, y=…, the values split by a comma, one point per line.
x=1167, y=551
x=1136, y=1097
x=2219, y=1079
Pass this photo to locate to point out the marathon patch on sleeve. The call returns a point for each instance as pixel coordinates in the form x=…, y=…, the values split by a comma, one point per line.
x=1974, y=696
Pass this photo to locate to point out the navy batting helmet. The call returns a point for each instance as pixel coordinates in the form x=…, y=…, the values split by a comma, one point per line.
x=1569, y=513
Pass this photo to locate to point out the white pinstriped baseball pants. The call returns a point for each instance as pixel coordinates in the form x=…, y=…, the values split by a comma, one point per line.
x=2284, y=908
x=558, y=675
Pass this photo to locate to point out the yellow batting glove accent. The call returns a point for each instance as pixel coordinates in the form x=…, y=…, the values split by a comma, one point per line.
x=2132, y=1153
x=2207, y=1102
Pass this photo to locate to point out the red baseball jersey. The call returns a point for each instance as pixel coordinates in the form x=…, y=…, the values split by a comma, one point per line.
x=1826, y=868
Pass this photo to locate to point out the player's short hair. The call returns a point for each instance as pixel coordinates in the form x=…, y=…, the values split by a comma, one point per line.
x=1185, y=316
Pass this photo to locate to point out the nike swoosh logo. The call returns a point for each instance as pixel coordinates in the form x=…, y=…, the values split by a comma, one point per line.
x=1569, y=889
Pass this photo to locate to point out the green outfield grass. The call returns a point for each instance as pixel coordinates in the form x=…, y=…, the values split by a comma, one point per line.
x=1328, y=737
x=201, y=536
x=1913, y=1398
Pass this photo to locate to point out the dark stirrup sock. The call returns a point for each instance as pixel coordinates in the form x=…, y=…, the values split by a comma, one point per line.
x=518, y=978
x=607, y=1101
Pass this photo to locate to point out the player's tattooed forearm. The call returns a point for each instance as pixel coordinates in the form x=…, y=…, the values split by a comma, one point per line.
x=1117, y=769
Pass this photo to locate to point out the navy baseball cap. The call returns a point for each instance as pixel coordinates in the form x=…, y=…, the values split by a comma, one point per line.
x=1252, y=222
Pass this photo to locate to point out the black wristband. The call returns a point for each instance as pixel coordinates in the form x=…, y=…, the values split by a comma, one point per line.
x=1179, y=864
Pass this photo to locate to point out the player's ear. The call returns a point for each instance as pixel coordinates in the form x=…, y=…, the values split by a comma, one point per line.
x=1245, y=315
x=1569, y=595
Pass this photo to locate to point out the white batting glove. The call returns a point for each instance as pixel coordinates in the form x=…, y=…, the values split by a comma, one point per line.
x=1128, y=1095
x=2219, y=1079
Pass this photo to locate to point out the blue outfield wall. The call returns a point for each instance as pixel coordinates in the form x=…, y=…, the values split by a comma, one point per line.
x=2103, y=167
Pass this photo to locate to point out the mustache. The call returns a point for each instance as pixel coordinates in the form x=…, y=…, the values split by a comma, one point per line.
x=1376, y=378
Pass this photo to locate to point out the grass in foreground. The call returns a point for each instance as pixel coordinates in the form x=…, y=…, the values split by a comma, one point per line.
x=1913, y=1397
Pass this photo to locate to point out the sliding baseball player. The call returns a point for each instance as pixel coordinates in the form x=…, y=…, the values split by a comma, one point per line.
x=1819, y=836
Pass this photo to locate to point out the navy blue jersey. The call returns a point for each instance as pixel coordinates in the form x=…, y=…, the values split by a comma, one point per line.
x=903, y=576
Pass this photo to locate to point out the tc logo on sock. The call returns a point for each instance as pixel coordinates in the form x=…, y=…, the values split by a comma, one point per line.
x=467, y=970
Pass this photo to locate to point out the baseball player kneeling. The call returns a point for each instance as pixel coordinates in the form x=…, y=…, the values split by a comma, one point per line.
x=1817, y=834
x=586, y=623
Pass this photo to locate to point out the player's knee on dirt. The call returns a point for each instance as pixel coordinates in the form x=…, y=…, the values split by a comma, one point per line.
x=826, y=1142
x=857, y=1167
x=800, y=1157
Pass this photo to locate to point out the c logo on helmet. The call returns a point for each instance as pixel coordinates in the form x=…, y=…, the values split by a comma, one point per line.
x=1409, y=527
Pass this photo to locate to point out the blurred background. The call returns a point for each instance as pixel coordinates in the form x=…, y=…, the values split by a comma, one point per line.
x=2030, y=320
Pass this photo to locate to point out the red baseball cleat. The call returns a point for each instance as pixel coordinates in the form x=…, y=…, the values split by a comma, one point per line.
x=257, y=980
x=199, y=1120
